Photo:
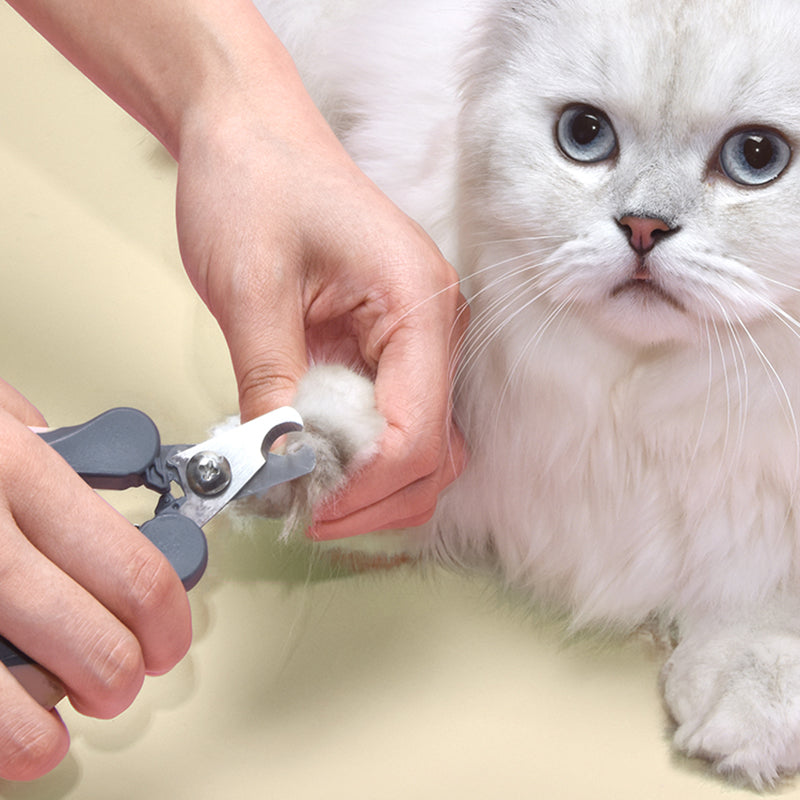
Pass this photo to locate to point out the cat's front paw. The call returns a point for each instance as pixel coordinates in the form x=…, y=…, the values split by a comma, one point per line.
x=736, y=699
x=343, y=427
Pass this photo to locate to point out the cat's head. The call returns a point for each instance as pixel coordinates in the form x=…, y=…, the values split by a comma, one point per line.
x=637, y=163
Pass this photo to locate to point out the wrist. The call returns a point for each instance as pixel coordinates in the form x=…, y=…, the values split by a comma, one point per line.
x=250, y=89
x=242, y=72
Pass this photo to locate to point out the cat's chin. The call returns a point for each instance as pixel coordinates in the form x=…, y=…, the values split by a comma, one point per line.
x=646, y=315
x=646, y=293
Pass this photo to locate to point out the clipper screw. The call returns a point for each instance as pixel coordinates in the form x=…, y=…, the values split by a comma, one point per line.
x=208, y=473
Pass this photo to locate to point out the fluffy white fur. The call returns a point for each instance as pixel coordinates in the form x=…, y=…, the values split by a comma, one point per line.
x=342, y=425
x=631, y=455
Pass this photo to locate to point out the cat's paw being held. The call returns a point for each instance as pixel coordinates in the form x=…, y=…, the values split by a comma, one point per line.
x=735, y=697
x=343, y=427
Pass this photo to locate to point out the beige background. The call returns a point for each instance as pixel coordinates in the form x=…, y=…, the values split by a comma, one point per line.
x=300, y=684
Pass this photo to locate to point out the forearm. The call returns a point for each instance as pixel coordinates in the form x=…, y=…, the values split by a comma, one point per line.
x=172, y=64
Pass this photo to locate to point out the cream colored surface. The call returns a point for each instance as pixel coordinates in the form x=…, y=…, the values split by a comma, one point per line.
x=299, y=685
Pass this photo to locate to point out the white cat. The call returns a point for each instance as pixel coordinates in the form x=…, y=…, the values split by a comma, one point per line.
x=616, y=183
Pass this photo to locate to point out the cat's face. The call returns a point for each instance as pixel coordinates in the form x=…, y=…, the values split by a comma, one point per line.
x=638, y=164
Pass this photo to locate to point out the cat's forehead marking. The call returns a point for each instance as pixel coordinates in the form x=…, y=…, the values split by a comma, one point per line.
x=696, y=64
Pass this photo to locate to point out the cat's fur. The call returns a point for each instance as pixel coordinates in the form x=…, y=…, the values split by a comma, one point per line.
x=634, y=450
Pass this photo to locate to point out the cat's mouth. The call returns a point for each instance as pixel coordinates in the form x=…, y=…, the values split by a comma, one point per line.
x=646, y=288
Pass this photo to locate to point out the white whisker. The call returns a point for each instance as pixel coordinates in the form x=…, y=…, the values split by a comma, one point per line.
x=783, y=285
x=781, y=394
x=519, y=240
x=460, y=284
x=787, y=319
x=555, y=313
x=729, y=454
x=707, y=403
x=494, y=320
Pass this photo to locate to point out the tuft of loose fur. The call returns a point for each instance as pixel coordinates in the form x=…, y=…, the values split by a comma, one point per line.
x=631, y=415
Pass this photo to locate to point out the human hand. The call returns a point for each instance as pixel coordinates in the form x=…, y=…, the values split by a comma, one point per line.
x=82, y=592
x=296, y=253
x=299, y=256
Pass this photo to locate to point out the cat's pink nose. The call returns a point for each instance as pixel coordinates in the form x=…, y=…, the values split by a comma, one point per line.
x=644, y=232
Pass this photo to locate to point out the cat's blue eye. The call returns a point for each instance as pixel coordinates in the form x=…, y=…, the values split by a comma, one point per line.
x=585, y=134
x=754, y=157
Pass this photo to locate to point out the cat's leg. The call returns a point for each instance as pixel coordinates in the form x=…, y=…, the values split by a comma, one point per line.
x=733, y=688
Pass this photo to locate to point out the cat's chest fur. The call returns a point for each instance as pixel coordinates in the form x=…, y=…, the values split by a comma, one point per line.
x=634, y=483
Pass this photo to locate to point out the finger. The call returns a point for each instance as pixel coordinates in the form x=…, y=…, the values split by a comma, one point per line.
x=110, y=564
x=32, y=740
x=383, y=516
x=413, y=393
x=62, y=627
x=411, y=506
x=266, y=341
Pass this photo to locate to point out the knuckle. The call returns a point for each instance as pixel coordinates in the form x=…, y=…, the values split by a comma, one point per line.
x=423, y=514
x=29, y=749
x=426, y=455
x=456, y=459
x=461, y=319
x=451, y=293
x=426, y=502
x=150, y=585
x=260, y=383
x=419, y=519
x=157, y=609
x=417, y=506
x=116, y=668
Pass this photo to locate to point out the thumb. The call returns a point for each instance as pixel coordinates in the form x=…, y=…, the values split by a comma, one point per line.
x=269, y=358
